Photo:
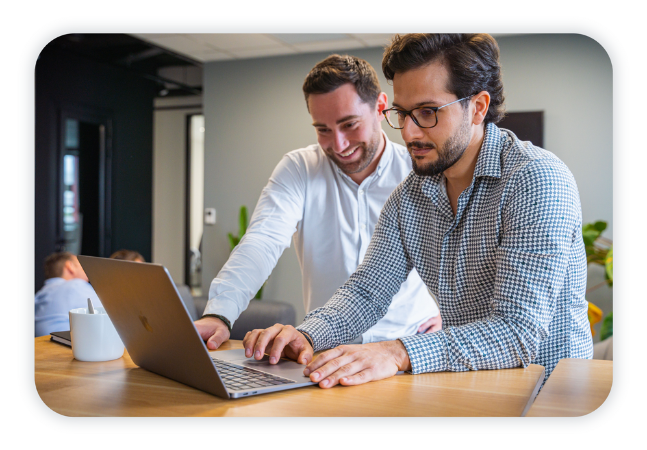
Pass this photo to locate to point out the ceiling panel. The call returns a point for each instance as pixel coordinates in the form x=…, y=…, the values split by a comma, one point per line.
x=176, y=42
x=233, y=41
x=223, y=46
x=300, y=38
x=329, y=45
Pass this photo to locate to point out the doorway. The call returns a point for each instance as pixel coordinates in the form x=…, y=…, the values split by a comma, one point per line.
x=194, y=202
x=83, y=213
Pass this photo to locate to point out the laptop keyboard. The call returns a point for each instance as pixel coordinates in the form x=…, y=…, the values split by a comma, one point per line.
x=240, y=378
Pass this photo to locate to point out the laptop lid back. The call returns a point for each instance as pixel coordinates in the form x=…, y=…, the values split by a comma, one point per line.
x=152, y=321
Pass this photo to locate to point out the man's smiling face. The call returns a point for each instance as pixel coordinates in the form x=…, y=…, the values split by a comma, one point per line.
x=348, y=129
x=432, y=150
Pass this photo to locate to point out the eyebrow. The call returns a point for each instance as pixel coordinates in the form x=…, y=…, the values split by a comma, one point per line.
x=342, y=120
x=419, y=104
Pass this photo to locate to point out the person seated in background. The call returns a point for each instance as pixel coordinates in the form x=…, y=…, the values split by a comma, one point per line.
x=128, y=255
x=66, y=287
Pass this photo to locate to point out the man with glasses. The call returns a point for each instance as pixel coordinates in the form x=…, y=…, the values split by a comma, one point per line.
x=331, y=195
x=491, y=223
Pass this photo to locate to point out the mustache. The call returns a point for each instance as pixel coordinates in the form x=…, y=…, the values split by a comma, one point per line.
x=419, y=144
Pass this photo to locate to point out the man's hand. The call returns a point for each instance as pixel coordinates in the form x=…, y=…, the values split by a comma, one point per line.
x=357, y=364
x=277, y=341
x=212, y=330
x=431, y=325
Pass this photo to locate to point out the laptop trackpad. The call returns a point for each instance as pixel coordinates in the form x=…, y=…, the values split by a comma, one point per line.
x=284, y=368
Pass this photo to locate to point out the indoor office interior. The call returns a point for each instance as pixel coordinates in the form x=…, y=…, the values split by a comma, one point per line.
x=154, y=142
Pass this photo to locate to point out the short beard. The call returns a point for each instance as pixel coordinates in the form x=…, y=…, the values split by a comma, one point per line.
x=448, y=155
x=369, y=149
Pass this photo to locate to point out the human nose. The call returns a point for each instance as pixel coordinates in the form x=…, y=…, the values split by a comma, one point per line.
x=410, y=131
x=340, y=142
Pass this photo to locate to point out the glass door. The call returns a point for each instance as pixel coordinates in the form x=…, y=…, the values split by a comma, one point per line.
x=84, y=200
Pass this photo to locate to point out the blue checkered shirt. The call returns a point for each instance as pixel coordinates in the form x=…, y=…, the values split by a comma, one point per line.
x=508, y=270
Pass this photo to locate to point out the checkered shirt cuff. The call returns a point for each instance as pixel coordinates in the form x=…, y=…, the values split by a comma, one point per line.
x=427, y=352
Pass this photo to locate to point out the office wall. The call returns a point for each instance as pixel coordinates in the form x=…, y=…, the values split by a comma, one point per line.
x=169, y=181
x=255, y=112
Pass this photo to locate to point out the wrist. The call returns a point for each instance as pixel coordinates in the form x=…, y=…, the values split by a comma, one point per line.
x=223, y=319
x=399, y=353
x=308, y=338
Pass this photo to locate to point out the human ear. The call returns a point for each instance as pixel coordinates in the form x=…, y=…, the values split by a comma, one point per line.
x=68, y=268
x=481, y=102
x=381, y=104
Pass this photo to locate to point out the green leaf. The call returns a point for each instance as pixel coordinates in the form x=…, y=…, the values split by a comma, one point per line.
x=600, y=225
x=607, y=327
x=233, y=241
x=242, y=221
x=590, y=232
x=608, y=265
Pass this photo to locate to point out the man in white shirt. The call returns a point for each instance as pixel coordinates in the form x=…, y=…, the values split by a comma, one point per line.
x=328, y=196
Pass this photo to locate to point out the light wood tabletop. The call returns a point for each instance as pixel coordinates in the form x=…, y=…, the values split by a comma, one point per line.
x=120, y=388
x=576, y=387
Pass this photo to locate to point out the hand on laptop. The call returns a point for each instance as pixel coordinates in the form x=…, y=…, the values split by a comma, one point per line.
x=277, y=341
x=213, y=331
x=346, y=364
x=349, y=365
x=432, y=325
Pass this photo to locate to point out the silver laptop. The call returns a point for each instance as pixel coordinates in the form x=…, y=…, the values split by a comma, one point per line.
x=156, y=328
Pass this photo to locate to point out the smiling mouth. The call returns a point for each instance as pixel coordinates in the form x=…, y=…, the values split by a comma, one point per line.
x=348, y=153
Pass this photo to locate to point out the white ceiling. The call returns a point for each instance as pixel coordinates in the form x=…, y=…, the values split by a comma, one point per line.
x=218, y=47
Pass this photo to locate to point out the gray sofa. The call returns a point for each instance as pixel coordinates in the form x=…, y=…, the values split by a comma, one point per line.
x=604, y=349
x=259, y=314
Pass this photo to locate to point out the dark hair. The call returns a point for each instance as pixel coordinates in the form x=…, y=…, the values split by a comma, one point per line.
x=337, y=70
x=471, y=59
x=128, y=255
x=55, y=263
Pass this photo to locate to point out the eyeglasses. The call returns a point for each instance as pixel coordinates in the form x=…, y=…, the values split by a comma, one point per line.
x=423, y=116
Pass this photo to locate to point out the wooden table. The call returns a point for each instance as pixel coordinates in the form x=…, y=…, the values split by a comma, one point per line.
x=575, y=388
x=120, y=388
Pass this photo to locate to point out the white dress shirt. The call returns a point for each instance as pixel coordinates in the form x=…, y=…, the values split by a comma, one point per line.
x=331, y=219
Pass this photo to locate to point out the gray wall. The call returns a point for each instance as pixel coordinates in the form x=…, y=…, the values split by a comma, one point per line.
x=255, y=113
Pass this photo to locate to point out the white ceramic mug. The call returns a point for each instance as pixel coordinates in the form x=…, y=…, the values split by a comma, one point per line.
x=94, y=337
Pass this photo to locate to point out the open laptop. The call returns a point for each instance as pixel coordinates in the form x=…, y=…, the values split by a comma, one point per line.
x=156, y=328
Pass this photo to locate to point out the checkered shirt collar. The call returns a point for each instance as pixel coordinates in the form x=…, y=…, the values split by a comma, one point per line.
x=488, y=163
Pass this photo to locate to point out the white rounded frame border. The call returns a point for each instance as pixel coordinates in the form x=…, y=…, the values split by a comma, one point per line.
x=24, y=215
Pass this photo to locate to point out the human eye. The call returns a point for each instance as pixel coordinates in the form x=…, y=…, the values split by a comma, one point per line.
x=350, y=125
x=322, y=130
x=400, y=114
x=426, y=112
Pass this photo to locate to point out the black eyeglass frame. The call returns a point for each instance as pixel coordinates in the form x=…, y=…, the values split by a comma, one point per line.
x=409, y=113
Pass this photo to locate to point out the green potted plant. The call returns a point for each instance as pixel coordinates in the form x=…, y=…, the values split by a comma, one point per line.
x=599, y=250
x=234, y=240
